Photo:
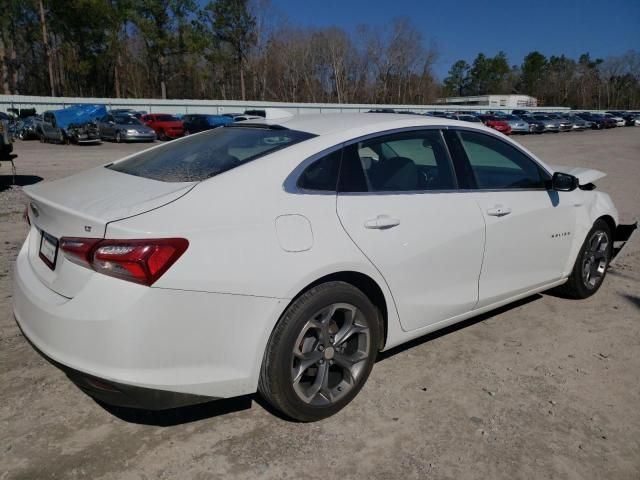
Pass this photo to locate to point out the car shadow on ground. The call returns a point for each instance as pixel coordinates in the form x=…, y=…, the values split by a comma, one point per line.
x=8, y=180
x=194, y=413
x=180, y=415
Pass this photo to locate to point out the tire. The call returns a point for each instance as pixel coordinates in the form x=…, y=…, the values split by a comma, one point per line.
x=162, y=136
x=41, y=138
x=591, y=264
x=321, y=352
x=118, y=137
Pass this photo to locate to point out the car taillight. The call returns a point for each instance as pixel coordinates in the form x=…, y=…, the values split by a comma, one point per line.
x=140, y=261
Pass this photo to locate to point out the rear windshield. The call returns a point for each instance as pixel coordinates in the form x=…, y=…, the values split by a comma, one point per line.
x=207, y=154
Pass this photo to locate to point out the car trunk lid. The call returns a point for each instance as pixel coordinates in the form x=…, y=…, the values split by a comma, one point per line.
x=81, y=206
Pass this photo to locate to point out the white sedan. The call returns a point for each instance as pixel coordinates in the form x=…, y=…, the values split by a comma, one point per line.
x=282, y=255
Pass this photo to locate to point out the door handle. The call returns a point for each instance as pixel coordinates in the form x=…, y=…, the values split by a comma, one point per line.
x=382, y=222
x=498, y=211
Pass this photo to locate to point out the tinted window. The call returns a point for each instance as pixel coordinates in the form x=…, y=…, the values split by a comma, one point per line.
x=322, y=174
x=204, y=156
x=498, y=165
x=411, y=161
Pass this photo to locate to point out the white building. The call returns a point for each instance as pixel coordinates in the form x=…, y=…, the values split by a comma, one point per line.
x=496, y=101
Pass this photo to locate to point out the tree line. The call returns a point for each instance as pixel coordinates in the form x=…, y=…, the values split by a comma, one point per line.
x=585, y=83
x=243, y=49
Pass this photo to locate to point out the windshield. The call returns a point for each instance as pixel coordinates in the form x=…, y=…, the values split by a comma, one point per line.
x=208, y=154
x=126, y=120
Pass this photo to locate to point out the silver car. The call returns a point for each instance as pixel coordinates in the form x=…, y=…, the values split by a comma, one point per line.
x=578, y=123
x=550, y=124
x=563, y=124
x=516, y=123
x=125, y=128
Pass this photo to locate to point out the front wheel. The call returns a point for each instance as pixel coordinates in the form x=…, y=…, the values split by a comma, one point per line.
x=321, y=352
x=591, y=265
x=118, y=137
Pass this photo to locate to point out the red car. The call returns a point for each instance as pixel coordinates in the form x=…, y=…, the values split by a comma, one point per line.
x=495, y=123
x=165, y=125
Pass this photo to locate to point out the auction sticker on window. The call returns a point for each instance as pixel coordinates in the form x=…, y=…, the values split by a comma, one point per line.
x=49, y=250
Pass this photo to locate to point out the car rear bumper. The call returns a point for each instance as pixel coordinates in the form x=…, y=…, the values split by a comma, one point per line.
x=148, y=347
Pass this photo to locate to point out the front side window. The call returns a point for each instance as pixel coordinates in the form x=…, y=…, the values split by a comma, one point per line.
x=407, y=161
x=209, y=154
x=497, y=165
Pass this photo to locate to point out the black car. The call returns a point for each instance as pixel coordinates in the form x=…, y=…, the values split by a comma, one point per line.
x=199, y=122
x=596, y=123
x=520, y=113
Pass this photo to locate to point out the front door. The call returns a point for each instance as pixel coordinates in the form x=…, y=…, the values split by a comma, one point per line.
x=399, y=203
x=529, y=228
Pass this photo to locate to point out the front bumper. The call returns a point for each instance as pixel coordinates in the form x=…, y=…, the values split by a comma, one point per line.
x=138, y=137
x=126, y=343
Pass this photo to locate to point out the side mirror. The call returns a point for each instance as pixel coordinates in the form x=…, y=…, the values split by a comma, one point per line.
x=563, y=182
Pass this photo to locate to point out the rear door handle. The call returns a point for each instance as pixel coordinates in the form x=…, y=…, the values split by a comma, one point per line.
x=498, y=211
x=382, y=222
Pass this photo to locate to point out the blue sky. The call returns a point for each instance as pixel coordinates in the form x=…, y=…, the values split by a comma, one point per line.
x=462, y=28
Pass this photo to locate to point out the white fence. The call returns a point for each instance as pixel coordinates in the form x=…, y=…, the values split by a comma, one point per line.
x=225, y=106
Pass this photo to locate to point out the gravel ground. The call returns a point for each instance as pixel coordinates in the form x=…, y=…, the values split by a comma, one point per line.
x=546, y=388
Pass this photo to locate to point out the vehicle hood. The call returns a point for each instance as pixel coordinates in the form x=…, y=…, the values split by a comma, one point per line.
x=87, y=201
x=584, y=175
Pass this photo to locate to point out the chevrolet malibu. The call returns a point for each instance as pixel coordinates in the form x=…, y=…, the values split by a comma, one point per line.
x=283, y=255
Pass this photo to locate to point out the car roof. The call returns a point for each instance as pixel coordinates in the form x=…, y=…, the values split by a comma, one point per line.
x=327, y=123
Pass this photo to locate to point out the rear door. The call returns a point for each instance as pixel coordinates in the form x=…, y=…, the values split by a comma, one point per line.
x=529, y=228
x=398, y=201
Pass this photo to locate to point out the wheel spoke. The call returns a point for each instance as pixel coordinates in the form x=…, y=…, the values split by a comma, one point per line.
x=348, y=362
x=321, y=380
x=353, y=329
x=306, y=360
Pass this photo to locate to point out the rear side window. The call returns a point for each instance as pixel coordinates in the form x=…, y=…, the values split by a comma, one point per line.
x=322, y=175
x=208, y=154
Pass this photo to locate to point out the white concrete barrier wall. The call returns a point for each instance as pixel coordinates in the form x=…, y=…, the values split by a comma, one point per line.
x=42, y=104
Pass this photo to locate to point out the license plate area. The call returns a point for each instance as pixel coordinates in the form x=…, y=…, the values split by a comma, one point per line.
x=48, y=249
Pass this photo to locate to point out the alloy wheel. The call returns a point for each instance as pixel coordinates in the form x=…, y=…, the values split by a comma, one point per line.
x=330, y=353
x=595, y=259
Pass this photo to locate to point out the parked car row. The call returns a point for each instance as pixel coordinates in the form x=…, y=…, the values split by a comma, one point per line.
x=524, y=121
x=94, y=123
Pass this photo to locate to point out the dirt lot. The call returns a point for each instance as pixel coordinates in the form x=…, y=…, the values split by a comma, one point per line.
x=548, y=388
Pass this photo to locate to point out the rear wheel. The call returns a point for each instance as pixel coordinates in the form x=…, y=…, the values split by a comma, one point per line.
x=321, y=352
x=162, y=136
x=591, y=265
x=118, y=137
